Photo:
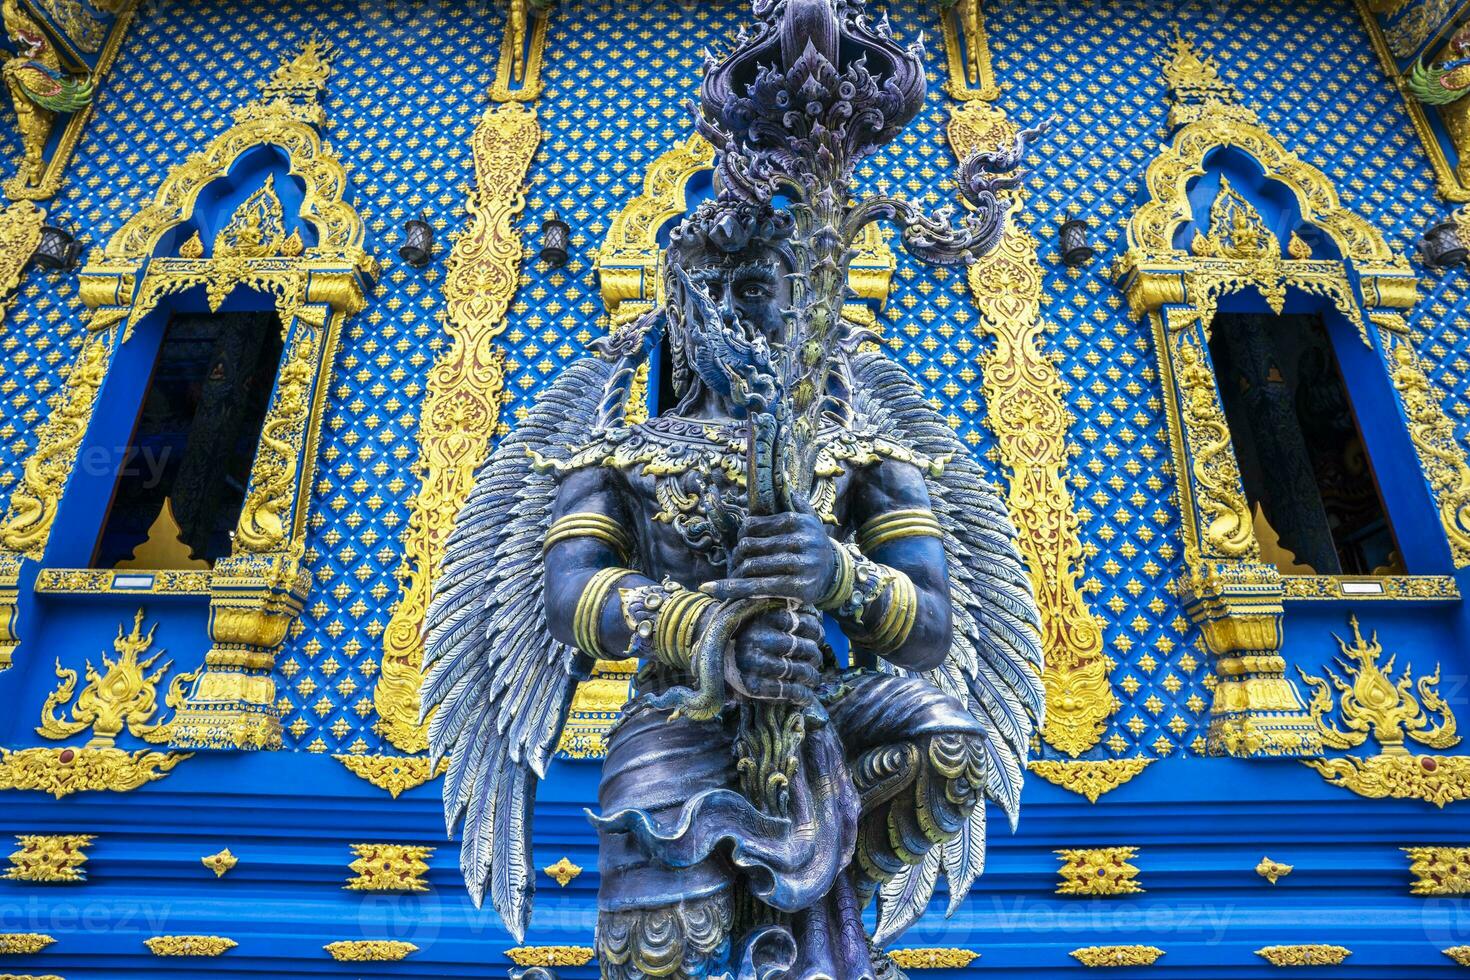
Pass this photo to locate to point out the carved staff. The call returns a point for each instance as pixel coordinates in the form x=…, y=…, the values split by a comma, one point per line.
x=808, y=93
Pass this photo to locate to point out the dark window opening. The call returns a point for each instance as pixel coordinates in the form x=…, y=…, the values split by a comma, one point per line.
x=183, y=478
x=1307, y=476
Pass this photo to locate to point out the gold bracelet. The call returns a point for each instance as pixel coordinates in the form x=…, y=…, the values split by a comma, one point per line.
x=900, y=615
x=896, y=525
x=587, y=619
x=842, y=582
x=673, y=638
x=588, y=524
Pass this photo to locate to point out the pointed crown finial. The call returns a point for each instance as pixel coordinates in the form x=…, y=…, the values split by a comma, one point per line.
x=1195, y=86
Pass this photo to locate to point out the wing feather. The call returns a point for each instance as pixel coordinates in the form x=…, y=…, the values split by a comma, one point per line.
x=995, y=661
x=498, y=683
x=905, y=897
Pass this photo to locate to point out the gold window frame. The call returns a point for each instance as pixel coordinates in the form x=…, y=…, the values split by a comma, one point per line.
x=257, y=591
x=1235, y=597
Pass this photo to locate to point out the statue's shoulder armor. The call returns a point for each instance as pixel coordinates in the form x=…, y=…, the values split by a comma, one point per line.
x=853, y=448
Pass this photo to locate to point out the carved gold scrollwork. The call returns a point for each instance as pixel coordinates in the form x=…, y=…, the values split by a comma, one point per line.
x=462, y=406
x=1371, y=703
x=50, y=858
x=1440, y=452
x=1224, y=516
x=1025, y=409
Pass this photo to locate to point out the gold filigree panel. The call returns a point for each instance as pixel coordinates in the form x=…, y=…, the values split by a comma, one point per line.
x=462, y=406
x=1025, y=409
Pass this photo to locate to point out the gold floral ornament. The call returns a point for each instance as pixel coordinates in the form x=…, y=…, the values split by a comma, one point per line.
x=395, y=774
x=1460, y=954
x=967, y=52
x=1091, y=778
x=1439, y=870
x=1115, y=956
x=189, y=945
x=370, y=950
x=563, y=871
x=50, y=858
x=121, y=694
x=929, y=958
x=1104, y=871
x=1309, y=954
x=23, y=943
x=551, y=955
x=461, y=409
x=389, y=868
x=1024, y=395
x=220, y=862
x=1272, y=871
x=1370, y=703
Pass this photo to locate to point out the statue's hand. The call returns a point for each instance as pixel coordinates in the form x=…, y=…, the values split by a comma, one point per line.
x=788, y=556
x=778, y=656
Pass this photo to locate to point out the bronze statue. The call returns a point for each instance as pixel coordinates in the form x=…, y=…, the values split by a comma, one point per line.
x=765, y=784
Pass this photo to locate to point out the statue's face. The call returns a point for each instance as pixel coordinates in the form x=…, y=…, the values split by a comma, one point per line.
x=733, y=310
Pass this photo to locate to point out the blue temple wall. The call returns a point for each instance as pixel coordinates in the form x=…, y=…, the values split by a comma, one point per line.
x=407, y=88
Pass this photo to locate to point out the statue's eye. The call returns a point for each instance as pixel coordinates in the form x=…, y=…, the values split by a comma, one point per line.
x=752, y=290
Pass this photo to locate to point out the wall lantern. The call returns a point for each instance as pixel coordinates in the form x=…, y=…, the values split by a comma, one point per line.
x=556, y=236
x=418, y=244
x=58, y=248
x=1077, y=250
x=1442, y=245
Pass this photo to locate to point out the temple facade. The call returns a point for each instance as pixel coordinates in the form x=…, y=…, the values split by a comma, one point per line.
x=276, y=277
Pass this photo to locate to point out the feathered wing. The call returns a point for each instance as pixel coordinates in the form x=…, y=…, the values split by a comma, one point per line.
x=498, y=682
x=50, y=89
x=994, y=665
x=1433, y=86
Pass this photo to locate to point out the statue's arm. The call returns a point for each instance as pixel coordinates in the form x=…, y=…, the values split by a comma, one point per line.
x=589, y=550
x=892, y=600
x=910, y=623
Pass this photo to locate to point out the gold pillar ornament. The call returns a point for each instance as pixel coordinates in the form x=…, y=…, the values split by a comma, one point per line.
x=967, y=51
x=462, y=405
x=1024, y=394
x=522, y=49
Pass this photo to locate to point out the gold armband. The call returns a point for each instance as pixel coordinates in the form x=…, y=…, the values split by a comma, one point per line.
x=663, y=620
x=896, y=525
x=842, y=581
x=587, y=619
x=899, y=615
x=588, y=524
